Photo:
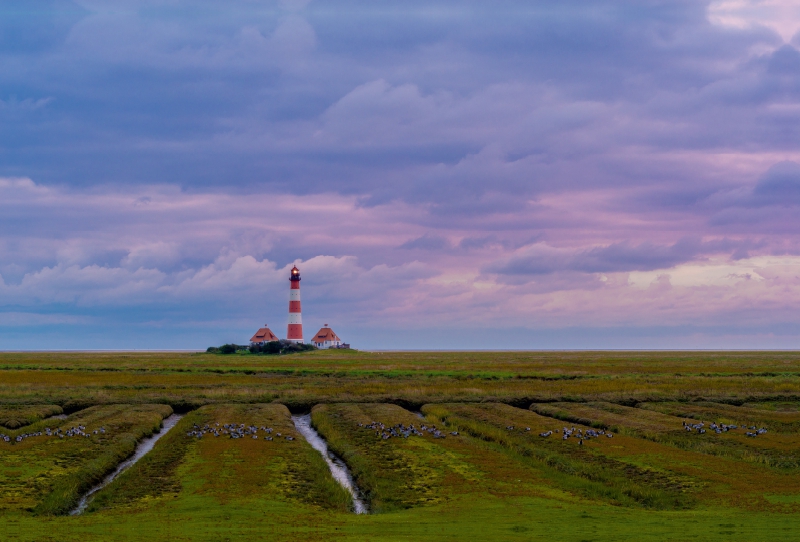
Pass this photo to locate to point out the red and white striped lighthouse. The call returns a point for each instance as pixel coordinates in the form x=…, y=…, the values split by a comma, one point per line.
x=295, y=332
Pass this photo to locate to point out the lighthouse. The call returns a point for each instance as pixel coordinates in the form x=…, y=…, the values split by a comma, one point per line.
x=295, y=332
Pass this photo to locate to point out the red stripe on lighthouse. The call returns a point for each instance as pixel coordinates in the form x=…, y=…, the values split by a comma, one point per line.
x=295, y=328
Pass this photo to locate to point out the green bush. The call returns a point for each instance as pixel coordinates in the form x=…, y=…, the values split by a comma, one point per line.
x=225, y=349
x=280, y=347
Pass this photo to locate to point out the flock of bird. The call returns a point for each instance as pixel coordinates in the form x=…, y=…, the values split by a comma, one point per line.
x=404, y=431
x=234, y=431
x=719, y=428
x=79, y=431
x=579, y=433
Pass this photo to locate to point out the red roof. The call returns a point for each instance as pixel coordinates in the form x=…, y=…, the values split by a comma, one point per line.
x=324, y=335
x=263, y=335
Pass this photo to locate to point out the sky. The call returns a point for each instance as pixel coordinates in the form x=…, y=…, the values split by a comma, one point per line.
x=446, y=175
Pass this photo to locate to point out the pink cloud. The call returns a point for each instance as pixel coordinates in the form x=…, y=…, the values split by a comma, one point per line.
x=176, y=249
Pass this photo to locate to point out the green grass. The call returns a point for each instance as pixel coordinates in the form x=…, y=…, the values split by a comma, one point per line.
x=511, y=518
x=583, y=469
x=181, y=468
x=16, y=416
x=393, y=474
x=775, y=450
x=87, y=383
x=780, y=421
x=47, y=475
x=554, y=365
x=617, y=418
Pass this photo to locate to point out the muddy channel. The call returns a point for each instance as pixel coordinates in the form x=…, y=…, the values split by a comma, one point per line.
x=338, y=468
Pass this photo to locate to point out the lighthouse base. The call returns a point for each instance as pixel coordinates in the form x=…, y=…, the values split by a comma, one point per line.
x=295, y=331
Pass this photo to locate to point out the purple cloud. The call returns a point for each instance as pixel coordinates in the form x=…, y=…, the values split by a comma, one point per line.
x=427, y=242
x=540, y=259
x=780, y=185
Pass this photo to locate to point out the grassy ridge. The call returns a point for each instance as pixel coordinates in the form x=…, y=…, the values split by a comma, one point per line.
x=486, y=364
x=419, y=473
x=16, y=416
x=581, y=469
x=392, y=475
x=78, y=389
x=711, y=480
x=777, y=421
x=241, y=470
x=47, y=475
x=617, y=418
x=773, y=450
x=153, y=475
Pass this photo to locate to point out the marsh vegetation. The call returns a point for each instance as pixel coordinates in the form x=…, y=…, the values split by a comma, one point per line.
x=467, y=444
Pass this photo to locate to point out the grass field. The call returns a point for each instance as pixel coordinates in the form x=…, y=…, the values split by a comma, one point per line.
x=228, y=472
x=46, y=474
x=776, y=448
x=16, y=416
x=497, y=479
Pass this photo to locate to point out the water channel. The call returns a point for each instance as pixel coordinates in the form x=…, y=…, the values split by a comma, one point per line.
x=339, y=470
x=144, y=446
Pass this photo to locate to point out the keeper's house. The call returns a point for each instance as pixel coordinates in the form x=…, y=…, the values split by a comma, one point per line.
x=326, y=338
x=263, y=335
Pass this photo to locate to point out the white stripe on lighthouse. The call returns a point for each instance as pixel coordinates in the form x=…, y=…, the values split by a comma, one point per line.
x=294, y=295
x=295, y=318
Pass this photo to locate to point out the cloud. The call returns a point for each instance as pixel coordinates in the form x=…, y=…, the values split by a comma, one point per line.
x=427, y=242
x=26, y=30
x=471, y=243
x=27, y=319
x=779, y=186
x=785, y=62
x=541, y=259
x=358, y=109
x=781, y=15
x=83, y=286
x=293, y=37
x=173, y=249
x=28, y=104
x=294, y=5
x=768, y=206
